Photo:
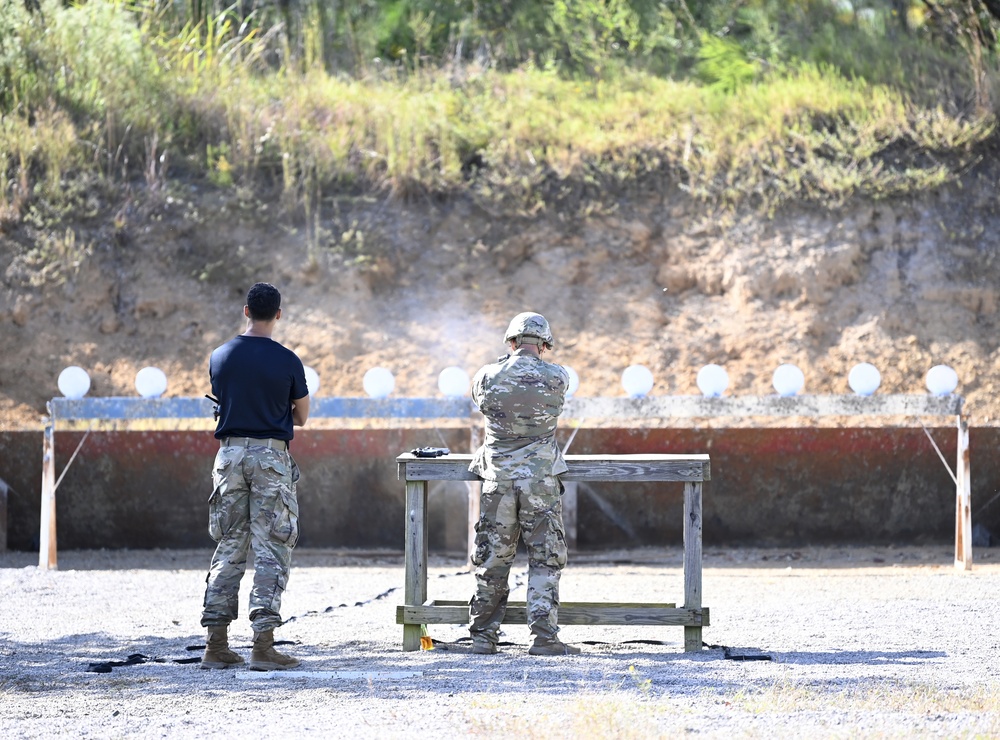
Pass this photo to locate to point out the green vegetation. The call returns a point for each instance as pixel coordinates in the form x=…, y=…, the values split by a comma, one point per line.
x=526, y=105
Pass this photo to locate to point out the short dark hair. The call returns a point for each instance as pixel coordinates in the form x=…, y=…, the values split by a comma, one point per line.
x=263, y=300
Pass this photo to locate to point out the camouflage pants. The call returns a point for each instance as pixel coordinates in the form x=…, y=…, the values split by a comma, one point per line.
x=531, y=508
x=253, y=503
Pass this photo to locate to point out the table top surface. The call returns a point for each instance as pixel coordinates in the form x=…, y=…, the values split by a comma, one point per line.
x=608, y=467
x=466, y=458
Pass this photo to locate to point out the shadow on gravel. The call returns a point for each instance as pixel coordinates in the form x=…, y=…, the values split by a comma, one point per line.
x=114, y=560
x=199, y=559
x=863, y=657
x=356, y=667
x=831, y=657
x=735, y=559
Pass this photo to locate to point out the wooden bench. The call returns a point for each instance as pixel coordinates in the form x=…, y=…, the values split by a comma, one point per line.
x=691, y=470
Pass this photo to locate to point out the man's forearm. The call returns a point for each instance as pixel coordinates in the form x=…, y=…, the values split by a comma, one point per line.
x=300, y=411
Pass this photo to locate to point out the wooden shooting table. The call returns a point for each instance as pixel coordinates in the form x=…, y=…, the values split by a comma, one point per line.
x=691, y=470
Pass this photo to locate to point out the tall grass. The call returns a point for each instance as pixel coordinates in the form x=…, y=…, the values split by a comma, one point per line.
x=809, y=134
x=99, y=90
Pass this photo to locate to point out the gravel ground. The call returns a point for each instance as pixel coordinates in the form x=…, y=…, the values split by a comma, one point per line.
x=880, y=642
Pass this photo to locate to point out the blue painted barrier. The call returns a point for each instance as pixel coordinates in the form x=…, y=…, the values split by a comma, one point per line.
x=124, y=408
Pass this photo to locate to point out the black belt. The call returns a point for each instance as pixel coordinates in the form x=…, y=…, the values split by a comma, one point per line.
x=274, y=444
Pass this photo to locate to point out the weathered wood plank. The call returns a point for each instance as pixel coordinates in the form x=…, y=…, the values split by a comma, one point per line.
x=686, y=407
x=573, y=604
x=450, y=467
x=692, y=561
x=415, y=557
x=620, y=468
x=569, y=614
x=649, y=467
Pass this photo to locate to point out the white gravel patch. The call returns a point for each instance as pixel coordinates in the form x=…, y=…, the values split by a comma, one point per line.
x=873, y=642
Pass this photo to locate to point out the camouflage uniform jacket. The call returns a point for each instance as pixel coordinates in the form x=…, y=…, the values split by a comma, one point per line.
x=521, y=397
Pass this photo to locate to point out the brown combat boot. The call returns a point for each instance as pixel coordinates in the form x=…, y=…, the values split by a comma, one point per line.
x=265, y=658
x=483, y=647
x=552, y=646
x=217, y=652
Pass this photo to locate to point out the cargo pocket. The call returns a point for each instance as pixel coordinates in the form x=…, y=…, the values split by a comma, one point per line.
x=217, y=513
x=285, y=521
x=274, y=463
x=285, y=525
x=486, y=527
x=485, y=534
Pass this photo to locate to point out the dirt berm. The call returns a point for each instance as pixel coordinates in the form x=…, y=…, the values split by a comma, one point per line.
x=416, y=286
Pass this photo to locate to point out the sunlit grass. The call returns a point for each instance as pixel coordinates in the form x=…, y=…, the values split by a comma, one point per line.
x=866, y=696
x=811, y=134
x=618, y=714
x=636, y=706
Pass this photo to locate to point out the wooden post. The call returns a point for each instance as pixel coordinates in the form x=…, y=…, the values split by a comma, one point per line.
x=415, y=557
x=692, y=561
x=3, y=515
x=963, y=500
x=47, y=524
x=569, y=508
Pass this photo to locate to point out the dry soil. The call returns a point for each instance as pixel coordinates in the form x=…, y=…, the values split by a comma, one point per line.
x=418, y=286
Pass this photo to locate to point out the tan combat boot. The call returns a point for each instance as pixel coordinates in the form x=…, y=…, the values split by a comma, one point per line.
x=265, y=658
x=217, y=652
x=552, y=646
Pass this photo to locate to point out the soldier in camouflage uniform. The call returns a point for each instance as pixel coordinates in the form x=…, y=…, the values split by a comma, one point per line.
x=262, y=393
x=521, y=395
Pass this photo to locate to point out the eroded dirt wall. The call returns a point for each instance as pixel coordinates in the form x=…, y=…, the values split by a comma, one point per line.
x=659, y=280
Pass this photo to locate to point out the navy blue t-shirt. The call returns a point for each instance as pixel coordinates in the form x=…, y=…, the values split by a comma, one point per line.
x=256, y=379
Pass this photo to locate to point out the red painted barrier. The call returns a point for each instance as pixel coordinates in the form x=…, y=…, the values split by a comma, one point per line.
x=769, y=486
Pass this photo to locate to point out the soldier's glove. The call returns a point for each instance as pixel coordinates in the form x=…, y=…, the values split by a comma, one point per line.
x=215, y=408
x=430, y=451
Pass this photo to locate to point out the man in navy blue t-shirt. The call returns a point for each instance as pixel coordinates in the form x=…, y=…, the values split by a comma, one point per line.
x=262, y=393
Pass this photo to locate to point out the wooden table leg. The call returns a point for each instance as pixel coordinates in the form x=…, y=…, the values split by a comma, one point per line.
x=692, y=561
x=415, y=556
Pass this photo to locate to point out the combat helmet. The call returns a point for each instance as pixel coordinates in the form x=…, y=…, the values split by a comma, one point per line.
x=529, y=324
